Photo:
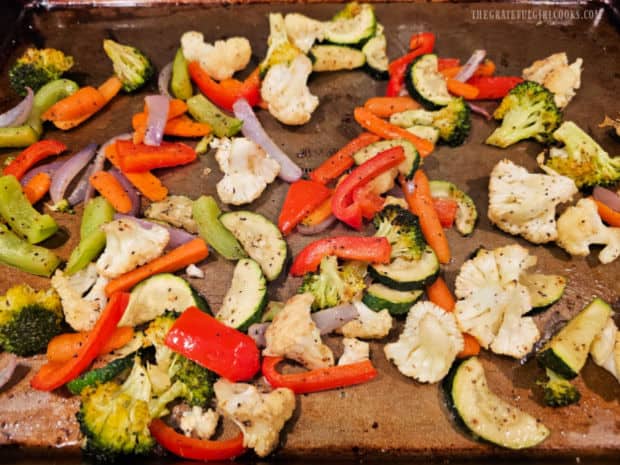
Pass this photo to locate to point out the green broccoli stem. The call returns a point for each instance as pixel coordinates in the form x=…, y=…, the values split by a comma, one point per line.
x=180, y=83
x=204, y=111
x=27, y=257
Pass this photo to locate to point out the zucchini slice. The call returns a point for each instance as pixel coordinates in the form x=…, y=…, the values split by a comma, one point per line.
x=375, y=51
x=426, y=84
x=544, y=289
x=261, y=239
x=158, y=294
x=407, y=275
x=466, y=213
x=246, y=298
x=101, y=375
x=487, y=416
x=378, y=297
x=566, y=353
x=425, y=132
x=335, y=58
x=352, y=25
x=407, y=168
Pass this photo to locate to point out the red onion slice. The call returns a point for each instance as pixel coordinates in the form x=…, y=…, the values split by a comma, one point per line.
x=470, y=67
x=69, y=170
x=317, y=228
x=608, y=197
x=177, y=236
x=257, y=332
x=253, y=130
x=79, y=193
x=163, y=81
x=18, y=115
x=479, y=110
x=133, y=194
x=157, y=106
x=49, y=168
x=8, y=364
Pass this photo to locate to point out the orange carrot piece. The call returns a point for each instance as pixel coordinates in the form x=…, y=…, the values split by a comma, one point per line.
x=108, y=186
x=440, y=294
x=384, y=129
x=486, y=68
x=184, y=255
x=319, y=214
x=608, y=215
x=176, y=108
x=450, y=73
x=147, y=183
x=471, y=347
x=180, y=126
x=110, y=88
x=417, y=194
x=462, y=89
x=85, y=101
x=384, y=107
x=37, y=187
x=65, y=346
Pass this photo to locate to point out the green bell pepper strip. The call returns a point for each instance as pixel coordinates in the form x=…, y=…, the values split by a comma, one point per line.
x=180, y=83
x=16, y=210
x=18, y=253
x=204, y=111
x=206, y=214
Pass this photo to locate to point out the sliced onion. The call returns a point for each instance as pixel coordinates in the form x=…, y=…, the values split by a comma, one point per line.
x=177, y=236
x=69, y=170
x=157, y=106
x=8, y=364
x=18, y=115
x=253, y=130
x=326, y=321
x=163, y=81
x=79, y=193
x=478, y=109
x=49, y=168
x=133, y=194
x=609, y=198
x=470, y=67
x=317, y=228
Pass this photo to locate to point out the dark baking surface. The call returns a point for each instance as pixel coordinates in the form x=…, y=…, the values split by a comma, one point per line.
x=392, y=415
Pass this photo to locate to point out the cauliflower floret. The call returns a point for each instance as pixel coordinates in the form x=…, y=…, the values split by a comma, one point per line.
x=580, y=226
x=368, y=324
x=129, y=245
x=605, y=349
x=293, y=334
x=428, y=344
x=82, y=296
x=247, y=170
x=175, y=210
x=199, y=423
x=354, y=351
x=261, y=416
x=303, y=31
x=194, y=272
x=220, y=60
x=286, y=92
x=524, y=203
x=557, y=75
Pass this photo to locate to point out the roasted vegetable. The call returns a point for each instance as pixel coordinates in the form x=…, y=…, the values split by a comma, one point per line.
x=37, y=67
x=557, y=391
x=131, y=66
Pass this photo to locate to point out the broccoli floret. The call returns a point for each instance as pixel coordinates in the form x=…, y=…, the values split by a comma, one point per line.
x=334, y=285
x=557, y=391
x=581, y=158
x=29, y=319
x=402, y=230
x=528, y=111
x=131, y=66
x=36, y=68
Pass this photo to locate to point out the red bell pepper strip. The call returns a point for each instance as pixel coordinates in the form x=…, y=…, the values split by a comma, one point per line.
x=342, y=160
x=369, y=202
x=365, y=249
x=33, y=155
x=137, y=158
x=53, y=375
x=302, y=198
x=493, y=87
x=192, y=448
x=445, y=63
x=446, y=211
x=227, y=92
x=343, y=204
x=213, y=345
x=419, y=44
x=321, y=379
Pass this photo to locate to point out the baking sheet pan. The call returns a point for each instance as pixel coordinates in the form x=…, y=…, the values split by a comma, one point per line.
x=393, y=415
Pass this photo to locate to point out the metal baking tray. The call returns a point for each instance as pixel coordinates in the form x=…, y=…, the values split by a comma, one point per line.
x=392, y=416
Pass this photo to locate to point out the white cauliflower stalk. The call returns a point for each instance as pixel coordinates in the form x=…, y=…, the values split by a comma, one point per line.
x=82, y=296
x=129, y=245
x=221, y=59
x=605, y=349
x=294, y=335
x=303, y=31
x=247, y=170
x=522, y=203
x=368, y=324
x=428, y=345
x=354, y=351
x=199, y=423
x=286, y=93
x=175, y=210
x=557, y=75
x=581, y=226
x=261, y=416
